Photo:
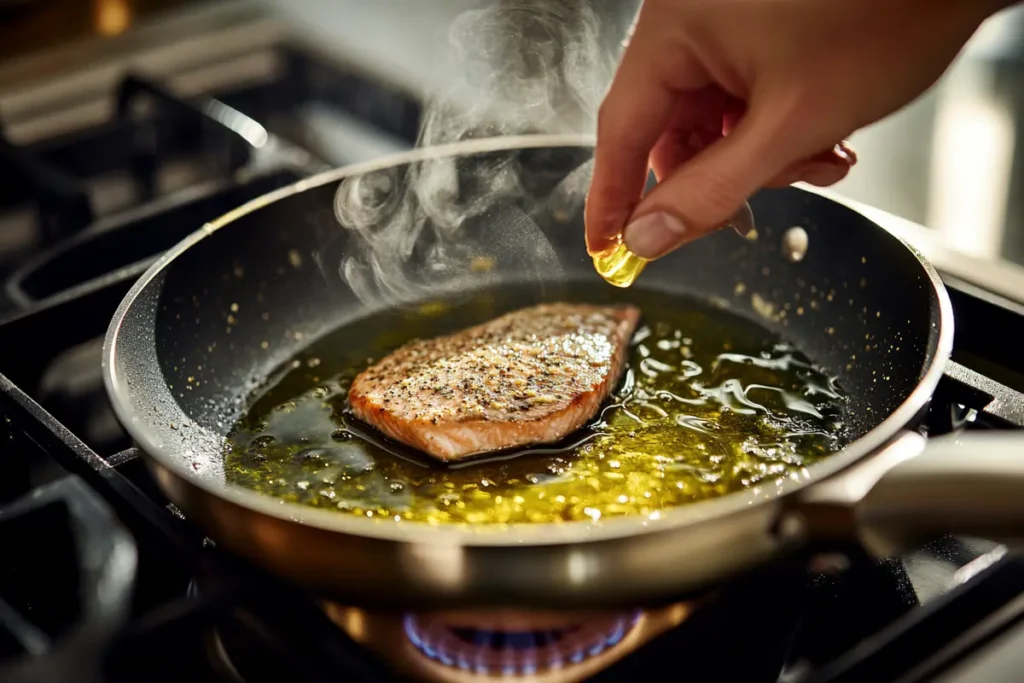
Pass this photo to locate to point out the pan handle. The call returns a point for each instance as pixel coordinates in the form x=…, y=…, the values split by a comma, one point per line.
x=969, y=484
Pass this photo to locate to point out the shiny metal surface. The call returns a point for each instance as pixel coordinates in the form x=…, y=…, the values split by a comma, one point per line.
x=969, y=484
x=916, y=489
x=628, y=561
x=430, y=568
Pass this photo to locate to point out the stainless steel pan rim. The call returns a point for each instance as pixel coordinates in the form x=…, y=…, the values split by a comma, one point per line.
x=497, y=535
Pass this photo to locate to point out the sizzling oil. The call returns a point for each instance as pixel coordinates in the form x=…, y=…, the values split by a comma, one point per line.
x=710, y=403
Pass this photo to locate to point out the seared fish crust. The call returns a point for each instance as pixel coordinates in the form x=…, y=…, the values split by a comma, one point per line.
x=532, y=376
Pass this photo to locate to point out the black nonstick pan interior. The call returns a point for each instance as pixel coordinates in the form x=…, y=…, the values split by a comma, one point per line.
x=244, y=299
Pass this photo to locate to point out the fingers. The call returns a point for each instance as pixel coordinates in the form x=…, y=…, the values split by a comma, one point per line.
x=638, y=107
x=699, y=196
x=821, y=174
x=700, y=119
x=824, y=169
x=696, y=123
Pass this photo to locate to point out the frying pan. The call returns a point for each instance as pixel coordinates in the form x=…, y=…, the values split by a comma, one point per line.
x=857, y=300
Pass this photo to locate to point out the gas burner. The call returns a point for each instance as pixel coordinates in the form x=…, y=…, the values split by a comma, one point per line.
x=505, y=644
x=514, y=649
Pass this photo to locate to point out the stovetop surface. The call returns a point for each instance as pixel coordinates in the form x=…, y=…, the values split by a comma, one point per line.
x=102, y=580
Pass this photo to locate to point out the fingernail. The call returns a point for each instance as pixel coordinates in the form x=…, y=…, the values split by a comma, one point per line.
x=596, y=247
x=846, y=150
x=743, y=222
x=652, y=235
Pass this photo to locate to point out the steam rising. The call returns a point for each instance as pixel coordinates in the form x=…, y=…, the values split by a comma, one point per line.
x=522, y=67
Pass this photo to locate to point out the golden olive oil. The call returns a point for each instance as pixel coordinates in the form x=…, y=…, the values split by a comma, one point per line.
x=619, y=266
x=710, y=403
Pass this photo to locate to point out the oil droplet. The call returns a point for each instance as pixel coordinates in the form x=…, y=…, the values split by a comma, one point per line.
x=795, y=242
x=619, y=266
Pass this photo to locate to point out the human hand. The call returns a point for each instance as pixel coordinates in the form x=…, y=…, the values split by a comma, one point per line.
x=723, y=97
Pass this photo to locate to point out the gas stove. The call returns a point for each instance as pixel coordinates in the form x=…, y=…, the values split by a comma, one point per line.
x=103, y=581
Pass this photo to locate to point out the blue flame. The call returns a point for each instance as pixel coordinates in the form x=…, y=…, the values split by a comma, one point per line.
x=514, y=653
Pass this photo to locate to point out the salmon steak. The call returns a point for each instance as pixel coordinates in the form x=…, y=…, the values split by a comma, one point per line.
x=529, y=377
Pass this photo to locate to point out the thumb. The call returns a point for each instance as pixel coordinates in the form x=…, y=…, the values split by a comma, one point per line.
x=701, y=195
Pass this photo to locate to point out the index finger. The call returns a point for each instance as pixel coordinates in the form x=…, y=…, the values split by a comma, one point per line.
x=634, y=113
